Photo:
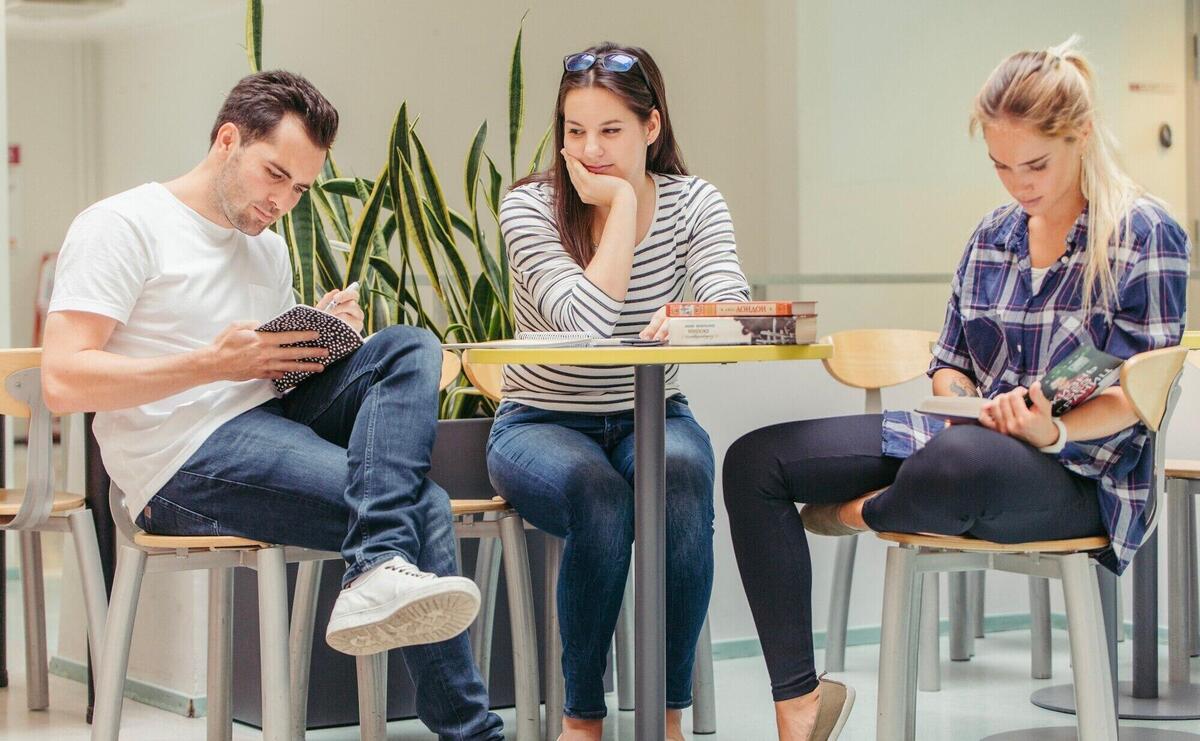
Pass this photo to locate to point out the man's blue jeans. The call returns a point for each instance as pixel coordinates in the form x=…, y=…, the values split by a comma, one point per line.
x=339, y=464
x=571, y=475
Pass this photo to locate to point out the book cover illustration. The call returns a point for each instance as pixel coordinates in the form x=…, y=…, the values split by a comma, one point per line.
x=1080, y=376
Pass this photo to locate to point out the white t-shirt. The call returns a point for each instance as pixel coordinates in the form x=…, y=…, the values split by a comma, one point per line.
x=173, y=280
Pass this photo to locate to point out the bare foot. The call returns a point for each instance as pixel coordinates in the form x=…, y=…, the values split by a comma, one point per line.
x=578, y=729
x=675, y=725
x=795, y=717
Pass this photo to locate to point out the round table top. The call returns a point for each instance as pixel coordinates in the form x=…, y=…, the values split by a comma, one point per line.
x=1191, y=340
x=646, y=355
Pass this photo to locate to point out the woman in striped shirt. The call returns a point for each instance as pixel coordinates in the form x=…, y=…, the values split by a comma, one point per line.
x=1081, y=257
x=600, y=243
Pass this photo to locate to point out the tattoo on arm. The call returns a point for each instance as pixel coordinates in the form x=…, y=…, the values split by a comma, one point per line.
x=962, y=389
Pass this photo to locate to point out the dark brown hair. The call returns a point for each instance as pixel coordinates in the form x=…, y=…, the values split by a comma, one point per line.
x=573, y=216
x=259, y=101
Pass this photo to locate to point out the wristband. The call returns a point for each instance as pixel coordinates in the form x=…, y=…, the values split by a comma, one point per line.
x=1061, y=442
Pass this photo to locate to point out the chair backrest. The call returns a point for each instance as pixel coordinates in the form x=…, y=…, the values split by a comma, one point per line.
x=21, y=396
x=487, y=378
x=873, y=359
x=451, y=365
x=1150, y=381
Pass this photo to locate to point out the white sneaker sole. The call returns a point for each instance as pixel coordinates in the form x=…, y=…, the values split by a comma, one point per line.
x=438, y=613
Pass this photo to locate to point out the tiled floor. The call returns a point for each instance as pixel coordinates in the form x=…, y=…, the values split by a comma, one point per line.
x=986, y=695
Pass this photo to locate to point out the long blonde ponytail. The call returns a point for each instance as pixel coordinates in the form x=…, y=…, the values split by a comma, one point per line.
x=1054, y=91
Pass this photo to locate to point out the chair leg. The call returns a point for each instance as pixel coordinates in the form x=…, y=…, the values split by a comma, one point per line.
x=624, y=648
x=1040, y=660
x=1178, y=583
x=118, y=631
x=1193, y=561
x=300, y=640
x=220, y=654
x=839, y=604
x=33, y=589
x=272, y=638
x=552, y=664
x=929, y=667
x=95, y=600
x=704, y=689
x=487, y=578
x=1097, y=714
x=977, y=590
x=372, y=696
x=896, y=711
x=522, y=624
x=960, y=633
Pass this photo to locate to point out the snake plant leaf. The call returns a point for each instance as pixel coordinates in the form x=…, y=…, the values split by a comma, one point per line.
x=516, y=101
x=416, y=225
x=432, y=186
x=329, y=265
x=492, y=194
x=363, y=239
x=254, y=22
x=461, y=224
x=535, y=164
x=470, y=182
x=301, y=231
x=461, y=284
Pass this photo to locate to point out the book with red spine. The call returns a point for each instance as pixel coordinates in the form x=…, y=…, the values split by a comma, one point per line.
x=741, y=330
x=742, y=308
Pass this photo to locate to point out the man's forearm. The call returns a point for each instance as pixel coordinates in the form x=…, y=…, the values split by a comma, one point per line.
x=951, y=382
x=99, y=381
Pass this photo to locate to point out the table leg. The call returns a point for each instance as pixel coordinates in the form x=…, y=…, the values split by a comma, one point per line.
x=96, y=494
x=650, y=690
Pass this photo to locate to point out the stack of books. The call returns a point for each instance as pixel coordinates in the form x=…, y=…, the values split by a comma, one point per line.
x=692, y=323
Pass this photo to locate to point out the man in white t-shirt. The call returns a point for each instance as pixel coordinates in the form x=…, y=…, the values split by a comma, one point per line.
x=157, y=294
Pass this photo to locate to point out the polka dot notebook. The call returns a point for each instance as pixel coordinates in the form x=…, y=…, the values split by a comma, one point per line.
x=336, y=336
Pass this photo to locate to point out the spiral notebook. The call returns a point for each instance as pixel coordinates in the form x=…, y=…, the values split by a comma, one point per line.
x=336, y=336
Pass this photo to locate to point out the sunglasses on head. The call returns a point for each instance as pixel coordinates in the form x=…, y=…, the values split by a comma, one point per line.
x=617, y=61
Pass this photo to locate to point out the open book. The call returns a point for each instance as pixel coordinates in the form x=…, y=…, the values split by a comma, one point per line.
x=554, y=339
x=336, y=336
x=1080, y=376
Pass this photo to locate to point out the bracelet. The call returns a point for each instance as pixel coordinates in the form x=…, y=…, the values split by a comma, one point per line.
x=1061, y=442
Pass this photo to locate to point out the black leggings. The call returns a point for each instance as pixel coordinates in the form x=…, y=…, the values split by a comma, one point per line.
x=967, y=481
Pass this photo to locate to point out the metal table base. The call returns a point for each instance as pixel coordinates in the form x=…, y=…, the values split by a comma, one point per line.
x=650, y=555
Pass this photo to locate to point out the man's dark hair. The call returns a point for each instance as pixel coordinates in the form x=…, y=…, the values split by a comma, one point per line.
x=259, y=101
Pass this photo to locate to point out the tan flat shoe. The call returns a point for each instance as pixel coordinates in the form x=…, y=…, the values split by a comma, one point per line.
x=822, y=519
x=836, y=701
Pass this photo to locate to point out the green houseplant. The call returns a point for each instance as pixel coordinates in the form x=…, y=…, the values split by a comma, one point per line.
x=397, y=234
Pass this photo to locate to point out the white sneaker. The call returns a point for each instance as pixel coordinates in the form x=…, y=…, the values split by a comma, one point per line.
x=396, y=604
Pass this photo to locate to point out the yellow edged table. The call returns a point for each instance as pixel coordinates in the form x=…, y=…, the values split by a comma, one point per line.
x=649, y=415
x=1191, y=340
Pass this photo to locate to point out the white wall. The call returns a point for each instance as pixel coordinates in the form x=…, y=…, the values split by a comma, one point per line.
x=890, y=182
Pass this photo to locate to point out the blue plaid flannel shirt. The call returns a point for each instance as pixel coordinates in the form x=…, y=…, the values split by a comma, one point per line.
x=1002, y=335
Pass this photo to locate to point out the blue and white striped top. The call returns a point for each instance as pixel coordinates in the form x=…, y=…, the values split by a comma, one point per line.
x=1003, y=334
x=690, y=242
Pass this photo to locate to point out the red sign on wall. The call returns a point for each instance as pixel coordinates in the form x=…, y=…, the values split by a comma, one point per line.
x=14, y=154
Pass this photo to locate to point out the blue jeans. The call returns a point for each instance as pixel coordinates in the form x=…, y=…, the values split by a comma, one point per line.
x=339, y=464
x=571, y=475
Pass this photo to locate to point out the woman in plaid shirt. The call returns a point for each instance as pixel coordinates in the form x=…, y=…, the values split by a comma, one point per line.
x=1082, y=256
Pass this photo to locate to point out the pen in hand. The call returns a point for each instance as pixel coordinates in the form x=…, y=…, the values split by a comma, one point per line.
x=333, y=303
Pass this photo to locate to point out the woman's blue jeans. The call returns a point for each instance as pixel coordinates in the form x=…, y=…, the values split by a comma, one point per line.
x=571, y=475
